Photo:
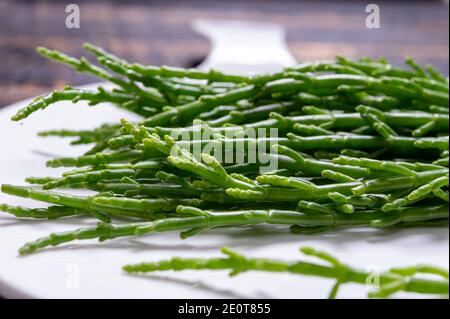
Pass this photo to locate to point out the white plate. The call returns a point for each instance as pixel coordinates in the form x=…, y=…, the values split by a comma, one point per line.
x=88, y=269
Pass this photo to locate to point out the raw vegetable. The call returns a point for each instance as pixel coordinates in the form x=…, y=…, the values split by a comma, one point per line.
x=358, y=143
x=387, y=283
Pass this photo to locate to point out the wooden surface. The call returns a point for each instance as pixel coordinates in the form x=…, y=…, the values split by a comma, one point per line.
x=158, y=32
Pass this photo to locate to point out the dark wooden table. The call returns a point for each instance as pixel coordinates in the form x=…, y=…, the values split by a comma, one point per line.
x=158, y=32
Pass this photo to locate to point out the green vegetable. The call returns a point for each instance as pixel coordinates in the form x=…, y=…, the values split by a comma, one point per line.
x=140, y=208
x=392, y=281
x=52, y=212
x=193, y=220
x=358, y=144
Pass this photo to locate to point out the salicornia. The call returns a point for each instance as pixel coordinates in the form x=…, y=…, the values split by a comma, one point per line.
x=314, y=147
x=384, y=284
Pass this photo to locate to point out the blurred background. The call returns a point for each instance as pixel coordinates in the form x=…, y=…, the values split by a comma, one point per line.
x=159, y=32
